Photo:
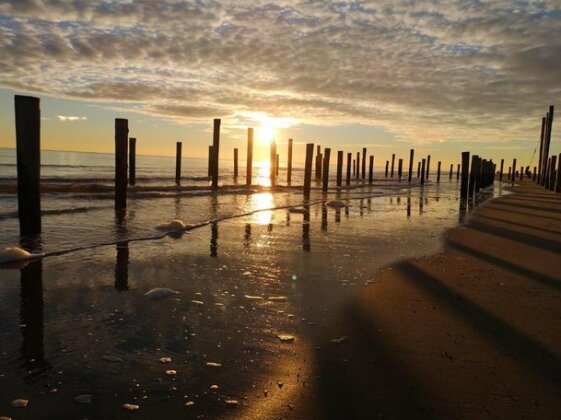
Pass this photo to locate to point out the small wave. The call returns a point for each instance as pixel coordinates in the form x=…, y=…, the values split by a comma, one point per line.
x=14, y=214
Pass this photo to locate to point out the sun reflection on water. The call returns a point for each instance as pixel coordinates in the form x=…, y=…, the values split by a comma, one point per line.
x=263, y=170
x=262, y=201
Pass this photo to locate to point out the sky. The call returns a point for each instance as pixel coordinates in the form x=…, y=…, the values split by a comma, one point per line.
x=441, y=77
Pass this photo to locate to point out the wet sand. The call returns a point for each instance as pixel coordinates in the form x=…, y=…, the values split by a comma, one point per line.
x=471, y=332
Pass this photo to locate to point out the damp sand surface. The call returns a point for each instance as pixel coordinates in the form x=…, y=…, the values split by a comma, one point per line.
x=251, y=305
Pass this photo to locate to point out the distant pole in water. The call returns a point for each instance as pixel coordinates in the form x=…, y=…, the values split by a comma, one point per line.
x=339, y=168
x=521, y=173
x=552, y=171
x=371, y=169
x=547, y=173
x=272, y=163
x=178, y=163
x=479, y=164
x=249, y=164
x=558, y=182
x=357, y=165
x=393, y=163
x=364, y=163
x=423, y=162
x=387, y=165
x=534, y=174
x=438, y=172
x=509, y=172
x=215, y=153
x=540, y=157
x=513, y=170
x=349, y=158
x=354, y=167
x=277, y=164
x=411, y=157
x=501, y=170
x=308, y=169
x=210, y=155
x=132, y=161
x=428, y=166
x=121, y=149
x=28, y=143
x=465, y=176
x=451, y=171
x=400, y=168
x=458, y=172
x=318, y=162
x=471, y=188
x=419, y=169
x=235, y=163
x=289, y=168
x=325, y=172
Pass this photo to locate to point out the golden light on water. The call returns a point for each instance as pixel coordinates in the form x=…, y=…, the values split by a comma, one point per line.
x=263, y=171
x=262, y=201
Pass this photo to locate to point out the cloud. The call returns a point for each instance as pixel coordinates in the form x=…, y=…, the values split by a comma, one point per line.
x=427, y=72
x=70, y=118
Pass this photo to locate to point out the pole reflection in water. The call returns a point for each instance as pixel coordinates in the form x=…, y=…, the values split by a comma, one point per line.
x=361, y=207
x=287, y=218
x=408, y=204
x=337, y=215
x=122, y=267
x=369, y=204
x=306, y=246
x=214, y=239
x=270, y=227
x=463, y=210
x=247, y=235
x=324, y=217
x=31, y=316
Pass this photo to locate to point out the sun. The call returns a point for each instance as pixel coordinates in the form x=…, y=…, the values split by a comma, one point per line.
x=266, y=133
x=266, y=126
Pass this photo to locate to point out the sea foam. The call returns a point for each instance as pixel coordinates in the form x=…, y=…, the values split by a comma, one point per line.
x=172, y=225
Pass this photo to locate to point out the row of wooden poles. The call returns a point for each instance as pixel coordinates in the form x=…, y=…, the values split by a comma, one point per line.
x=549, y=167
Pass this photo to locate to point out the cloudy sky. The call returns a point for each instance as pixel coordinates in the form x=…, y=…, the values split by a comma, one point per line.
x=441, y=76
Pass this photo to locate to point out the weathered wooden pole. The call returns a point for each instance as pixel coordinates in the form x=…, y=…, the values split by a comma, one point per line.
x=558, y=181
x=540, y=157
x=479, y=165
x=513, y=170
x=354, y=167
x=509, y=172
x=552, y=171
x=357, y=165
x=438, y=172
x=521, y=173
x=235, y=163
x=428, y=166
x=451, y=171
x=364, y=163
x=458, y=172
x=547, y=175
x=249, y=159
x=273, y=163
x=423, y=162
x=348, y=178
x=215, y=153
x=387, y=165
x=210, y=160
x=121, y=146
x=308, y=169
x=132, y=161
x=289, y=164
x=178, y=163
x=472, y=172
x=501, y=170
x=325, y=171
x=318, y=163
x=419, y=169
x=393, y=164
x=534, y=175
x=339, y=168
x=277, y=164
x=411, y=156
x=549, y=126
x=400, y=168
x=371, y=169
x=465, y=176
x=28, y=144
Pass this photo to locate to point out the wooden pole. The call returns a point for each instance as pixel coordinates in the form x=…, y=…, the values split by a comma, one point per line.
x=458, y=172
x=387, y=165
x=552, y=171
x=273, y=163
x=308, y=169
x=215, y=152
x=28, y=144
x=558, y=181
x=235, y=163
x=438, y=172
x=210, y=160
x=411, y=156
x=325, y=172
x=354, y=167
x=364, y=163
x=547, y=141
x=349, y=158
x=419, y=169
x=501, y=170
x=547, y=176
x=423, y=162
x=465, y=176
x=132, y=161
x=339, y=168
x=178, y=163
x=472, y=175
x=277, y=164
x=513, y=170
x=249, y=164
x=451, y=171
x=393, y=163
x=540, y=157
x=428, y=166
x=371, y=169
x=479, y=164
x=289, y=168
x=534, y=175
x=318, y=163
x=357, y=165
x=121, y=146
x=400, y=168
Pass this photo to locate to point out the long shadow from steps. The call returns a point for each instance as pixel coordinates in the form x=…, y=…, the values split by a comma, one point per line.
x=522, y=225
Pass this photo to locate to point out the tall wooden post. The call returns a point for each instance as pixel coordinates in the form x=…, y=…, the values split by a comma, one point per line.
x=419, y=169
x=513, y=170
x=318, y=162
x=235, y=163
x=438, y=172
x=540, y=157
x=210, y=160
x=549, y=125
x=348, y=178
x=249, y=164
x=132, y=161
x=465, y=176
x=371, y=169
x=428, y=167
x=558, y=181
x=289, y=168
x=339, y=168
x=308, y=169
x=547, y=176
x=387, y=165
x=28, y=143
x=393, y=163
x=121, y=146
x=472, y=175
x=479, y=164
x=354, y=167
x=501, y=170
x=400, y=168
x=411, y=157
x=451, y=171
x=357, y=165
x=325, y=172
x=552, y=172
x=178, y=163
x=273, y=163
x=423, y=162
x=458, y=172
x=277, y=164
x=364, y=163
x=215, y=153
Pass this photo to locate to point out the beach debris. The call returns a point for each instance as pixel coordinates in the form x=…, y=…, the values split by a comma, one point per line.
x=251, y=297
x=112, y=359
x=214, y=387
x=280, y=385
x=189, y=403
x=278, y=298
x=83, y=398
x=336, y=204
x=165, y=360
x=298, y=210
x=232, y=403
x=286, y=338
x=213, y=364
x=198, y=302
x=19, y=403
x=130, y=407
x=5, y=418
x=15, y=253
x=159, y=293
x=340, y=339
x=175, y=224
x=171, y=372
